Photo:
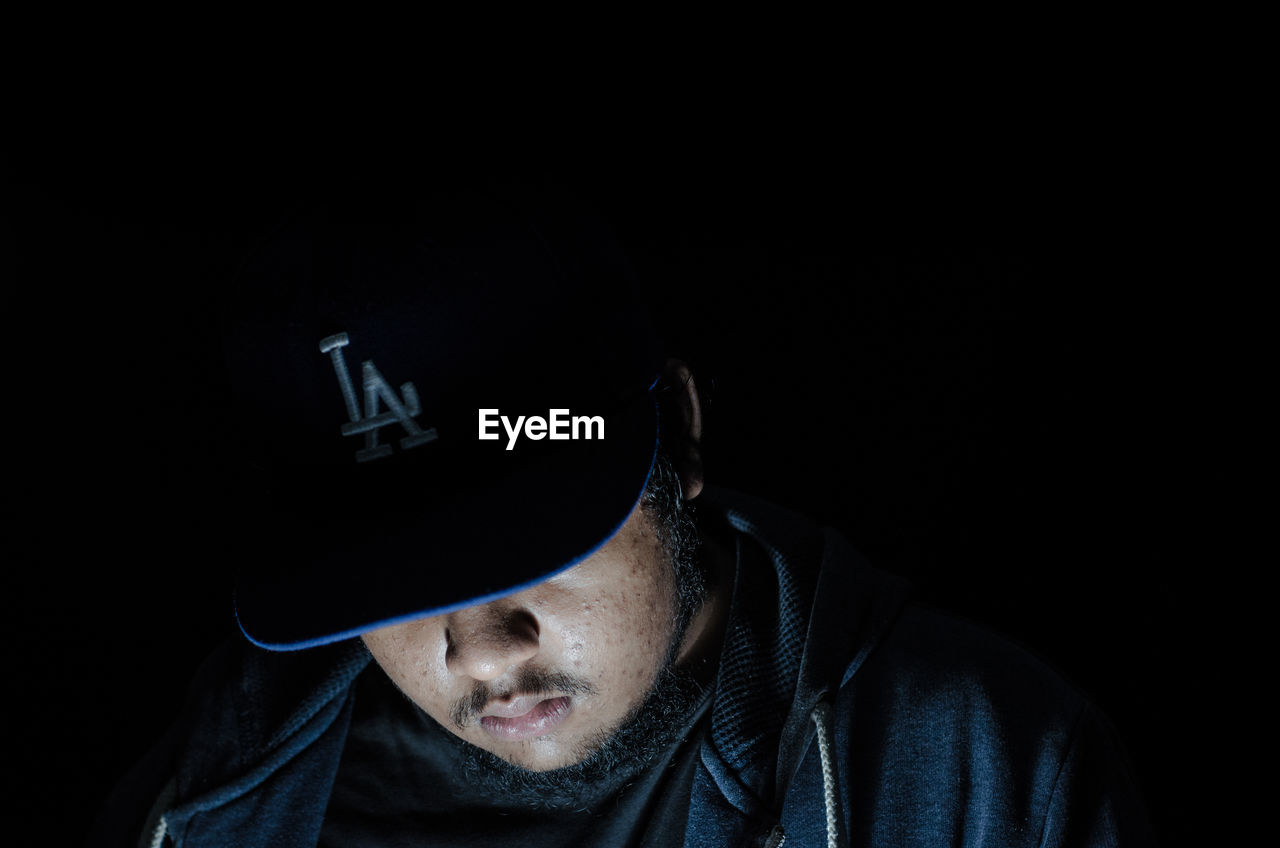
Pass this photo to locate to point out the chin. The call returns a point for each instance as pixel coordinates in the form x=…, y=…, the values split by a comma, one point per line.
x=553, y=752
x=539, y=755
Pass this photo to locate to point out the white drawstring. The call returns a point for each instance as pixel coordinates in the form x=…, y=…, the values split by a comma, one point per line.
x=157, y=839
x=822, y=718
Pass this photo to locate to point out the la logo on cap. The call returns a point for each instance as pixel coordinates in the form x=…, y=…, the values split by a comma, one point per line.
x=376, y=392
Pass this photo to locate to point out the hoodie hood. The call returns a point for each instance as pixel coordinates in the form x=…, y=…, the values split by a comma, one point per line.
x=269, y=729
x=785, y=649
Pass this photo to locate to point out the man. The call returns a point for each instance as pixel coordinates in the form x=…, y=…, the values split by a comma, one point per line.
x=480, y=611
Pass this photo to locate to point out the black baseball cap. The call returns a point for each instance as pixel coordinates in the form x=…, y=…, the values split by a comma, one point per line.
x=373, y=340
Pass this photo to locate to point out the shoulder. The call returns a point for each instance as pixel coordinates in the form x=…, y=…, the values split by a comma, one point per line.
x=935, y=652
x=968, y=729
x=958, y=678
x=242, y=703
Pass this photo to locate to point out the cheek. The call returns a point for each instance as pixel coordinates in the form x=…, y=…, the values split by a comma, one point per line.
x=412, y=655
x=623, y=633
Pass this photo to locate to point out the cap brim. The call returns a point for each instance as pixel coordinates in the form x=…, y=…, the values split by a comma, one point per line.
x=317, y=583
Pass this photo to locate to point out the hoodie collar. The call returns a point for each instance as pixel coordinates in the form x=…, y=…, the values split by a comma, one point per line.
x=807, y=612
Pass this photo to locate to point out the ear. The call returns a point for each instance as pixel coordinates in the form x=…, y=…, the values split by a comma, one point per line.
x=685, y=449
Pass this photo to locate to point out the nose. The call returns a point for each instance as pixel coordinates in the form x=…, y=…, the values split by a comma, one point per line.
x=487, y=640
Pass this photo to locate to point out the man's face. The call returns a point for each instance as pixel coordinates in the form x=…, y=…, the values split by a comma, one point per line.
x=541, y=678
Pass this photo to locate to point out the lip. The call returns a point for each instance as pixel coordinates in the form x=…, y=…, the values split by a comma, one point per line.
x=525, y=717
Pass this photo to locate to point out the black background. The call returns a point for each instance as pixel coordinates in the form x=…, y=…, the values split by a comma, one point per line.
x=987, y=354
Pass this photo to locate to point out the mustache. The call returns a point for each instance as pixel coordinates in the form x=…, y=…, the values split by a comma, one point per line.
x=527, y=681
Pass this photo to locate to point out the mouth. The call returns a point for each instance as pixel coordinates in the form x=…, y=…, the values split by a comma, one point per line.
x=526, y=717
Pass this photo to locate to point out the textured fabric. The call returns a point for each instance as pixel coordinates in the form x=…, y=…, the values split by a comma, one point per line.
x=761, y=658
x=943, y=734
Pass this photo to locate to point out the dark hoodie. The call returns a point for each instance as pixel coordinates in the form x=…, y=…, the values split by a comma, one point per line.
x=842, y=715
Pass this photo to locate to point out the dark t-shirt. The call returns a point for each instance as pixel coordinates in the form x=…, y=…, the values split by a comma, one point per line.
x=401, y=783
